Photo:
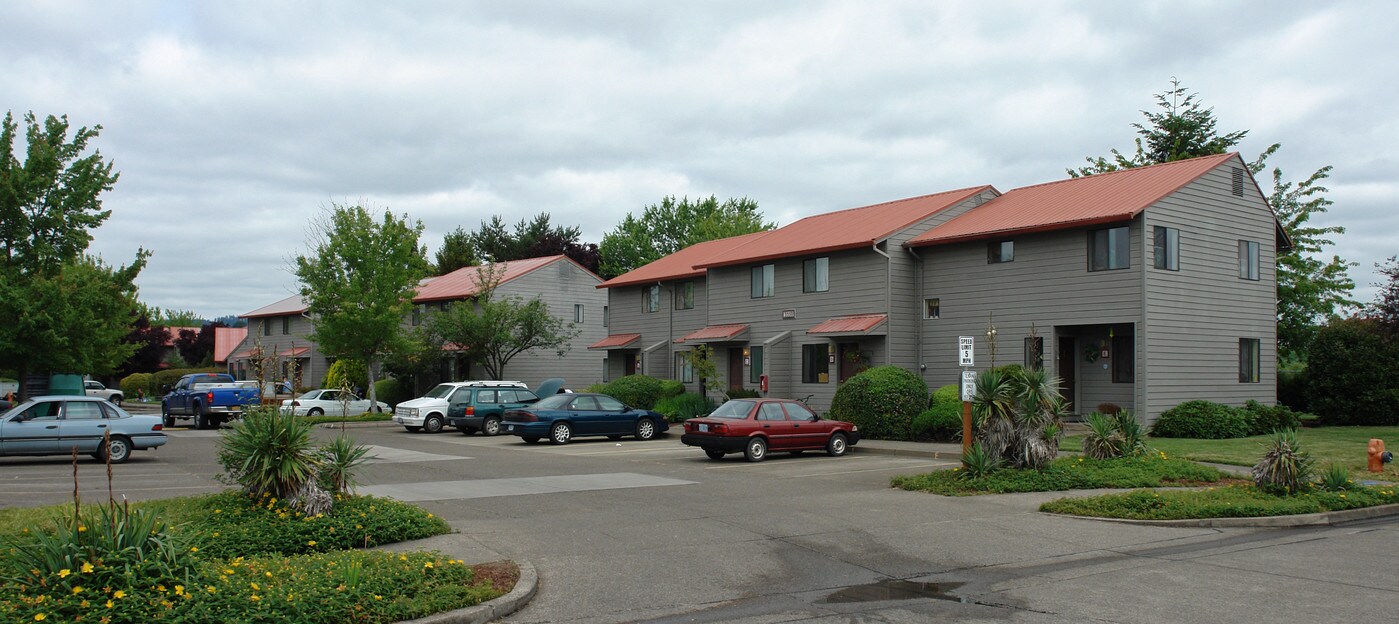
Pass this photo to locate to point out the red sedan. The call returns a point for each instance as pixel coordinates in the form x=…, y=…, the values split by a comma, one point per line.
x=756, y=426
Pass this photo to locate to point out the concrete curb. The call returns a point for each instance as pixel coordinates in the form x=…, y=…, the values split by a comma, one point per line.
x=491, y=609
x=928, y=454
x=357, y=425
x=1325, y=518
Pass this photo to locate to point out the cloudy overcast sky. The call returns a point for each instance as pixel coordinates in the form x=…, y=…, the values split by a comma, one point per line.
x=235, y=123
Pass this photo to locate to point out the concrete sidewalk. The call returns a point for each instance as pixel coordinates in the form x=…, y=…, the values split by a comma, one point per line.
x=930, y=450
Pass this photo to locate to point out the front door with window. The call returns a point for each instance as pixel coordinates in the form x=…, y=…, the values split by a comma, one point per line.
x=1066, y=366
x=735, y=369
x=629, y=364
x=848, y=353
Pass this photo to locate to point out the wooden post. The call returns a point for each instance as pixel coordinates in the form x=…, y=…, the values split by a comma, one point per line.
x=966, y=427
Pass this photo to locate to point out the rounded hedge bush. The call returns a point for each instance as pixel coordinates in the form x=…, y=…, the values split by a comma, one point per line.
x=347, y=372
x=136, y=381
x=635, y=390
x=671, y=388
x=1264, y=419
x=949, y=393
x=882, y=401
x=941, y=422
x=391, y=391
x=1353, y=374
x=683, y=406
x=1202, y=419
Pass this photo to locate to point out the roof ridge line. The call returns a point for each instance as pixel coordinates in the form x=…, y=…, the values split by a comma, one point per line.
x=1128, y=170
x=886, y=203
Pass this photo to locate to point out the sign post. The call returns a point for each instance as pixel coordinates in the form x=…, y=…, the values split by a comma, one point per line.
x=966, y=348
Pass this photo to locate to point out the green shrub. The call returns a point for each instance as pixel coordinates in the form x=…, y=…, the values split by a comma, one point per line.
x=1203, y=420
x=347, y=373
x=1065, y=473
x=169, y=376
x=1264, y=419
x=1336, y=478
x=1284, y=467
x=941, y=422
x=232, y=524
x=951, y=393
x=635, y=390
x=1234, y=501
x=597, y=388
x=688, y=405
x=1353, y=374
x=671, y=388
x=137, y=381
x=269, y=453
x=742, y=393
x=1292, y=389
x=1103, y=440
x=340, y=460
x=392, y=391
x=882, y=401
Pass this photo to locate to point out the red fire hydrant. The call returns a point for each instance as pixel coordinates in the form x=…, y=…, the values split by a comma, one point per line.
x=1378, y=456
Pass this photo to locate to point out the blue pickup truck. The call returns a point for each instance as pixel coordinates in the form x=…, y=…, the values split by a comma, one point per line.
x=208, y=398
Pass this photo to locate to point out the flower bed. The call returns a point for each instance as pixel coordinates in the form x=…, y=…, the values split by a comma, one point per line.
x=1067, y=473
x=1232, y=501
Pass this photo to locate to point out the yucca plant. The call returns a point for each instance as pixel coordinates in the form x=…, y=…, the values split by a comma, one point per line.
x=1020, y=416
x=340, y=460
x=993, y=405
x=269, y=453
x=1133, y=437
x=1103, y=440
x=977, y=462
x=1336, y=478
x=1284, y=467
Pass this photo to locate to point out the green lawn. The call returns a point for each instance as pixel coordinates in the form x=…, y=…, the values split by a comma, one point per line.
x=1343, y=445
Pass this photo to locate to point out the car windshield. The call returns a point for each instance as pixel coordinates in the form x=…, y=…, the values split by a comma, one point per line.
x=310, y=395
x=733, y=409
x=553, y=401
x=440, y=392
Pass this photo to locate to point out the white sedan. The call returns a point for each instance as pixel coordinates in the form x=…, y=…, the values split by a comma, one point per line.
x=337, y=402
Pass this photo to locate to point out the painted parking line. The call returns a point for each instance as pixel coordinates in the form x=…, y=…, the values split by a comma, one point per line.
x=390, y=455
x=617, y=450
x=519, y=486
x=841, y=472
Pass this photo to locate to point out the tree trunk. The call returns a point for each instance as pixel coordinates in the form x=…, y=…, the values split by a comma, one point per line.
x=23, y=382
x=373, y=400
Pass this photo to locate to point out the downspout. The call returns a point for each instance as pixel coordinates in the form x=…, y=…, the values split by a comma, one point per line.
x=1139, y=339
x=669, y=329
x=888, y=303
x=918, y=301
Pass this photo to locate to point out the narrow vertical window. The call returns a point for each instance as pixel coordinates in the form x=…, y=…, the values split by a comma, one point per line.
x=286, y=325
x=816, y=275
x=1109, y=249
x=606, y=317
x=651, y=298
x=762, y=281
x=932, y=308
x=1124, y=359
x=267, y=327
x=755, y=365
x=1248, y=260
x=1248, y=360
x=816, y=366
x=577, y=313
x=606, y=376
x=685, y=371
x=1034, y=353
x=417, y=315
x=685, y=296
x=1000, y=251
x=1165, y=243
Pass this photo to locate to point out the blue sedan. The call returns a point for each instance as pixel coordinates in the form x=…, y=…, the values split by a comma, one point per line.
x=561, y=417
x=55, y=425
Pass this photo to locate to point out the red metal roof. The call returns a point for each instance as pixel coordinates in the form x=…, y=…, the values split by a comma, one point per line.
x=243, y=355
x=464, y=282
x=1075, y=202
x=843, y=229
x=615, y=341
x=716, y=333
x=855, y=324
x=175, y=334
x=290, y=305
x=680, y=264
x=293, y=352
x=226, y=339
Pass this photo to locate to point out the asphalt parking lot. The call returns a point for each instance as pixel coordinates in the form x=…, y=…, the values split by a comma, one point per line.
x=626, y=531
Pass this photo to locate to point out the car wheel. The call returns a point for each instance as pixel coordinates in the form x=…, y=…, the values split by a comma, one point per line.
x=116, y=400
x=165, y=418
x=200, y=420
x=530, y=439
x=491, y=426
x=838, y=445
x=433, y=424
x=315, y=411
x=560, y=433
x=412, y=429
x=645, y=429
x=757, y=449
x=714, y=453
x=466, y=430
x=117, y=450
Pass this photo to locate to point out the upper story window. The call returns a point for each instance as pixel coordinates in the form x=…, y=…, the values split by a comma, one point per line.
x=1248, y=260
x=1165, y=247
x=606, y=317
x=763, y=277
x=651, y=298
x=1109, y=249
x=266, y=327
x=577, y=313
x=685, y=296
x=1000, y=251
x=816, y=275
x=286, y=325
x=418, y=314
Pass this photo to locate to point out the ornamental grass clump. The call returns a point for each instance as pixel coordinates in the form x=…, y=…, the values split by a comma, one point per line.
x=1115, y=435
x=1284, y=468
x=271, y=455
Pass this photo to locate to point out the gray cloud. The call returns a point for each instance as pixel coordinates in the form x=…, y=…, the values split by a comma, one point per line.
x=233, y=124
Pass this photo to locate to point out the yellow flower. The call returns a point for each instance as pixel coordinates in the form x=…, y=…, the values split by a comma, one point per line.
x=216, y=534
x=268, y=574
x=109, y=604
x=254, y=586
x=402, y=558
x=427, y=565
x=179, y=590
x=311, y=543
x=378, y=597
x=194, y=549
x=82, y=529
x=78, y=590
x=227, y=572
x=254, y=597
x=160, y=588
x=83, y=604
x=87, y=567
x=119, y=594
x=211, y=589
x=64, y=573
x=39, y=617
x=1343, y=495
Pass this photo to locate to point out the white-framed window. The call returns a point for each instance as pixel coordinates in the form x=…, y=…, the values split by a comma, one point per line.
x=816, y=275
x=1249, y=359
x=685, y=296
x=577, y=313
x=762, y=280
x=1109, y=249
x=651, y=298
x=1248, y=260
x=606, y=317
x=685, y=371
x=1000, y=251
x=1165, y=244
x=932, y=308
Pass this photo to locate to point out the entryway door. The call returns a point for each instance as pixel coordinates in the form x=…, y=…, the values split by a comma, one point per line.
x=735, y=369
x=1066, y=365
x=848, y=356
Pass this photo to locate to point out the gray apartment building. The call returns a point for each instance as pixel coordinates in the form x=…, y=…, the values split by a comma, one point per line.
x=1140, y=288
x=570, y=291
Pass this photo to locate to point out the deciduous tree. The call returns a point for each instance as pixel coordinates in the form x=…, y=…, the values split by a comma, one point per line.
x=672, y=225
x=1386, y=304
x=493, y=329
x=359, y=280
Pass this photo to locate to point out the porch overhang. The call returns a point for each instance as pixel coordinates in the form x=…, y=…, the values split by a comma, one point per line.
x=853, y=325
x=717, y=333
x=294, y=352
x=616, y=341
x=245, y=354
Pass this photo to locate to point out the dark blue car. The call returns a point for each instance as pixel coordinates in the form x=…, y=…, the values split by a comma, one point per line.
x=561, y=417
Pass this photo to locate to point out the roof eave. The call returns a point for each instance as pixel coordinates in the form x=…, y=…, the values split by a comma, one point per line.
x=614, y=283
x=792, y=254
x=1049, y=227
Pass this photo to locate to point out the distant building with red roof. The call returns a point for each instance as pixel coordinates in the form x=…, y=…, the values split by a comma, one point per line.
x=1139, y=289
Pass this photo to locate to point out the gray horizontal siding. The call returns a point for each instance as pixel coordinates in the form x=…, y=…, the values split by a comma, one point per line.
x=560, y=286
x=1196, y=316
